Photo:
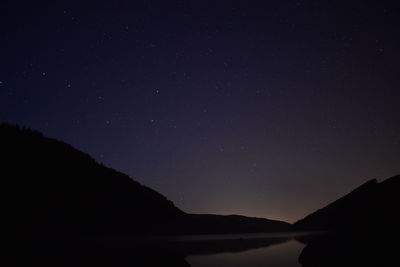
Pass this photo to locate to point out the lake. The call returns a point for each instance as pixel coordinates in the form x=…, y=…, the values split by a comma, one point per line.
x=243, y=250
x=283, y=255
x=119, y=251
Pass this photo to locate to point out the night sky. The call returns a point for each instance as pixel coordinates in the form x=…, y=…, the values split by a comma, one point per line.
x=262, y=108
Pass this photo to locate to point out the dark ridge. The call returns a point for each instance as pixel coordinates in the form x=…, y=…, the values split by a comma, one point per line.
x=372, y=206
x=361, y=228
x=209, y=223
x=49, y=186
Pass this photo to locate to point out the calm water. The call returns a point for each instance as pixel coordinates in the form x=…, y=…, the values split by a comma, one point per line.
x=283, y=255
x=277, y=250
x=204, y=250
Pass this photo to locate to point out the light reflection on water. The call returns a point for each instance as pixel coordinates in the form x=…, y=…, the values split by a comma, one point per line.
x=283, y=255
x=205, y=250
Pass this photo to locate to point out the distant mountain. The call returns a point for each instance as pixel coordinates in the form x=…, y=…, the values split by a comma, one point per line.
x=224, y=224
x=372, y=206
x=48, y=186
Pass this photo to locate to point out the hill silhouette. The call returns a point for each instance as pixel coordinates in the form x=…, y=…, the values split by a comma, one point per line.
x=360, y=229
x=372, y=206
x=49, y=186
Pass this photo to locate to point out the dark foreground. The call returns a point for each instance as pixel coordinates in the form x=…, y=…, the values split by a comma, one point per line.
x=364, y=249
x=320, y=250
x=129, y=251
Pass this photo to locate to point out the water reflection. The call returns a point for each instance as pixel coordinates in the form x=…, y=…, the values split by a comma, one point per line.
x=283, y=255
x=227, y=250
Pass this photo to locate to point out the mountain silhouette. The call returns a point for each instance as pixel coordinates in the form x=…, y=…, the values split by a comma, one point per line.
x=359, y=229
x=372, y=206
x=49, y=186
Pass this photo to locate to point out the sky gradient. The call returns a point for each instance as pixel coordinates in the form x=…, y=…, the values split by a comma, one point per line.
x=261, y=108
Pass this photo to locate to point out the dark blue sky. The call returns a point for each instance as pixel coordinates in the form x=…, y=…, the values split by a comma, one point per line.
x=261, y=108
